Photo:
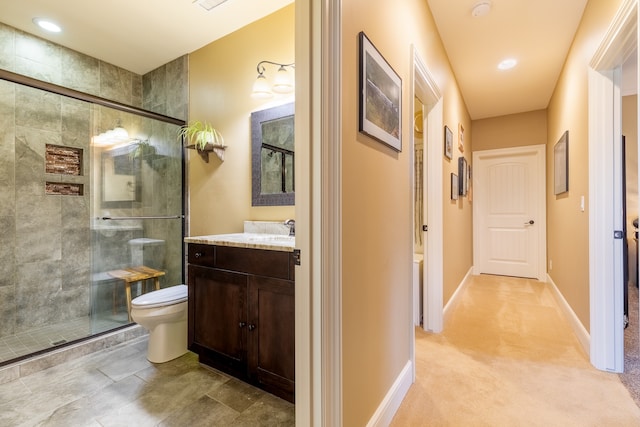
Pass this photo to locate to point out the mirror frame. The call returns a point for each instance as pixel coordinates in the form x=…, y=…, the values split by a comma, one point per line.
x=257, y=118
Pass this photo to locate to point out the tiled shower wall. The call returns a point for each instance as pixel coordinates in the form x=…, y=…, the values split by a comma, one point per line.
x=44, y=239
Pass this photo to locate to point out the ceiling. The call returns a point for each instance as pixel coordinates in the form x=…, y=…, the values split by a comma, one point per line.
x=137, y=35
x=140, y=35
x=538, y=33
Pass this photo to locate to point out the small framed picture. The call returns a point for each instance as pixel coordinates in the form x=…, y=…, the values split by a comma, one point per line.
x=454, y=186
x=561, y=164
x=462, y=174
x=448, y=143
x=461, y=138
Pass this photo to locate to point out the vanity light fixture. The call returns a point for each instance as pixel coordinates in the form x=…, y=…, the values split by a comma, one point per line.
x=47, y=25
x=283, y=82
x=117, y=135
x=208, y=5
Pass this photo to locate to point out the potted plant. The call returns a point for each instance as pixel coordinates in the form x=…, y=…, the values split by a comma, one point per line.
x=144, y=150
x=204, y=138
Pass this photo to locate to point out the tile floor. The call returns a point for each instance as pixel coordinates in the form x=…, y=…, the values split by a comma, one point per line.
x=119, y=387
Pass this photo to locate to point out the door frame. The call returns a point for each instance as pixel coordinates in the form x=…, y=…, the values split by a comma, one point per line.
x=541, y=211
x=424, y=87
x=605, y=128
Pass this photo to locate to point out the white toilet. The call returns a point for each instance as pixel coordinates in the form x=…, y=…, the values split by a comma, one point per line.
x=164, y=314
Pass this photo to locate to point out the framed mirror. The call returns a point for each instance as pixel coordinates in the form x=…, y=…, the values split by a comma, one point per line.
x=121, y=183
x=273, y=156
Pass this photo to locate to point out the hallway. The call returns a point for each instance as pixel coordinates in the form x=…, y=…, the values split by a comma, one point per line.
x=507, y=356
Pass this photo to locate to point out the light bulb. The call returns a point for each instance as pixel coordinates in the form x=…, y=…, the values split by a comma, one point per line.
x=282, y=83
x=120, y=133
x=47, y=25
x=261, y=89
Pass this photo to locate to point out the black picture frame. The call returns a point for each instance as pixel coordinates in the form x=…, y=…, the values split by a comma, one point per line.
x=380, y=89
x=448, y=143
x=561, y=164
x=463, y=176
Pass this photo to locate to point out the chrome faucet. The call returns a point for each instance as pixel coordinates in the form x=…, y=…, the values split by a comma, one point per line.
x=291, y=223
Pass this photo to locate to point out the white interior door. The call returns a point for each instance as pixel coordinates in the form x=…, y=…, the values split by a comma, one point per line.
x=509, y=212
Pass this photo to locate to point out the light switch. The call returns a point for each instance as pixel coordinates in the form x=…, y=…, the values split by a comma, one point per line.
x=581, y=203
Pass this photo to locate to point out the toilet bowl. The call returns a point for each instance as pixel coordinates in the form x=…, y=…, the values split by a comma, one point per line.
x=164, y=314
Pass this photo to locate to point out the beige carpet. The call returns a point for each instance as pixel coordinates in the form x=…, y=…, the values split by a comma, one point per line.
x=631, y=375
x=507, y=357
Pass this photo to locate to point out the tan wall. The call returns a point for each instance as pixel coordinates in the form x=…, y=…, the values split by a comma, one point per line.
x=568, y=227
x=514, y=130
x=630, y=131
x=377, y=210
x=221, y=77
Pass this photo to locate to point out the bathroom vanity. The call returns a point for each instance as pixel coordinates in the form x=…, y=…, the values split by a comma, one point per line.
x=242, y=307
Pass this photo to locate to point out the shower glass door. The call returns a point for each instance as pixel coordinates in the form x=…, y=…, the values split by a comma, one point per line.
x=136, y=211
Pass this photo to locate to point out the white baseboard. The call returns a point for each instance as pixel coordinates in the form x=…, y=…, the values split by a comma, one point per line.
x=577, y=326
x=391, y=402
x=457, y=293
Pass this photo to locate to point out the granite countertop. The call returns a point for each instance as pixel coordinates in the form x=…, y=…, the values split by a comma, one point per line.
x=272, y=242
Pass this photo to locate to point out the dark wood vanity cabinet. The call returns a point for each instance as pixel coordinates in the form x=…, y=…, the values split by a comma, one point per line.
x=242, y=314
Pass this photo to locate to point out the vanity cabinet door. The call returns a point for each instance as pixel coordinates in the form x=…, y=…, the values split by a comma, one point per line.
x=218, y=316
x=271, y=335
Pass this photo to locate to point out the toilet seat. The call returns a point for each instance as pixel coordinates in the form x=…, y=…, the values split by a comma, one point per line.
x=163, y=297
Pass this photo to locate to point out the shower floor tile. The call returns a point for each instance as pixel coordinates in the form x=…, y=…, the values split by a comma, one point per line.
x=45, y=337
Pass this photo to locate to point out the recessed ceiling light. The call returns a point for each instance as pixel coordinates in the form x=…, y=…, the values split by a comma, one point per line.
x=507, y=64
x=47, y=25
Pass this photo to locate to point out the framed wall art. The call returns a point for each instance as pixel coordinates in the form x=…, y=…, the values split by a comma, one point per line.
x=461, y=138
x=561, y=164
x=462, y=176
x=380, y=96
x=454, y=186
x=448, y=143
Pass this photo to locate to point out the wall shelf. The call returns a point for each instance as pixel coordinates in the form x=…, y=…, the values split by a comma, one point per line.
x=218, y=150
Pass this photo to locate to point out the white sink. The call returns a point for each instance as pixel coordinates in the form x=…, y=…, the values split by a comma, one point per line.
x=270, y=238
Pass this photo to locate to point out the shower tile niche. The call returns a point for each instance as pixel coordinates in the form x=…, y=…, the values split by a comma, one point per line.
x=63, y=161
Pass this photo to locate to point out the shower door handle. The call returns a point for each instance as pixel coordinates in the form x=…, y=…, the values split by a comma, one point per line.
x=124, y=218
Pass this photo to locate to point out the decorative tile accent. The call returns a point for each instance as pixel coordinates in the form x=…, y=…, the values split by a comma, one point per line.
x=63, y=160
x=64, y=189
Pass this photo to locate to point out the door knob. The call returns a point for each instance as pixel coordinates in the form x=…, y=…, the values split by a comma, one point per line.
x=531, y=222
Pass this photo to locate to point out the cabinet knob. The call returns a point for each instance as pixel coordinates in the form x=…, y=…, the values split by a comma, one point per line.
x=252, y=327
x=242, y=324
x=198, y=254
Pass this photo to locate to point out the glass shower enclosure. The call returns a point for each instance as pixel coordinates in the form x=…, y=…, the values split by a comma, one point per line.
x=91, y=193
x=137, y=216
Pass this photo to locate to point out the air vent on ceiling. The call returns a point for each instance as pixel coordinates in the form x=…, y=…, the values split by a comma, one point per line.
x=209, y=4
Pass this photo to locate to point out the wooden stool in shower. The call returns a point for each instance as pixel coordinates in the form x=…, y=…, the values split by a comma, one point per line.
x=133, y=275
